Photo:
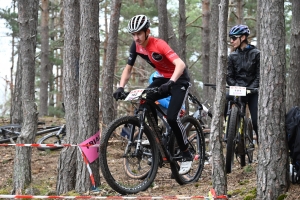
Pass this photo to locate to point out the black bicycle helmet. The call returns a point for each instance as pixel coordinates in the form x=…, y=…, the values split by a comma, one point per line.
x=137, y=23
x=239, y=30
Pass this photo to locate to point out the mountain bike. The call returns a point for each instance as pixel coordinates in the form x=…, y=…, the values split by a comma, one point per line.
x=56, y=136
x=10, y=132
x=201, y=112
x=129, y=162
x=238, y=128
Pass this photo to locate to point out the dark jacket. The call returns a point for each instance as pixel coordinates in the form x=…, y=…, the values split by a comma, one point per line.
x=243, y=67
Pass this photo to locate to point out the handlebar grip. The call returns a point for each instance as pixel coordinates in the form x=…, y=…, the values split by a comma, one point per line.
x=209, y=84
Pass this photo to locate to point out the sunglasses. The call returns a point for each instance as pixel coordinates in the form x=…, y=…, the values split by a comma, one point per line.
x=235, y=37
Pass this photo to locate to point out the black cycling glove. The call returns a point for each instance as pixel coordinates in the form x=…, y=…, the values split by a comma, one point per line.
x=165, y=88
x=119, y=93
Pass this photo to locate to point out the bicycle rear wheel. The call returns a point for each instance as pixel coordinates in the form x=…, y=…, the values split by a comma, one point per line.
x=197, y=148
x=51, y=138
x=8, y=132
x=231, y=142
x=249, y=146
x=117, y=153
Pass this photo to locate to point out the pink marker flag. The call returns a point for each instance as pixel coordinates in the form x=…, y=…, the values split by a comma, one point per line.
x=91, y=153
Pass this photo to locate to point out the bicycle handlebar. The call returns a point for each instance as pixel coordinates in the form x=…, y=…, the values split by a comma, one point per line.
x=253, y=90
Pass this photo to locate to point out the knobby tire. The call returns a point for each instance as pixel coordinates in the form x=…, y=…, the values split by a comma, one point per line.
x=249, y=146
x=123, y=170
x=231, y=143
x=51, y=138
x=196, y=147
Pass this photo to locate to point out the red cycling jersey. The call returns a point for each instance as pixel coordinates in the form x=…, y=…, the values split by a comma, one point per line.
x=158, y=54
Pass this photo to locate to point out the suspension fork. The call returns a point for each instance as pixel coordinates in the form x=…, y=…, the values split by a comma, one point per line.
x=227, y=119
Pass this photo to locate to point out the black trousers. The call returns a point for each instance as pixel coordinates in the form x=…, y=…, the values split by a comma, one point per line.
x=179, y=93
x=252, y=100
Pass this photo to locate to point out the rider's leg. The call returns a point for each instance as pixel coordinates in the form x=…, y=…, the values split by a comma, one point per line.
x=179, y=93
x=252, y=103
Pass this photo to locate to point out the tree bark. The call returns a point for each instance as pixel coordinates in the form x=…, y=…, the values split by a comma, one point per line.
x=240, y=11
x=272, y=173
x=182, y=31
x=258, y=23
x=16, y=107
x=45, y=66
x=219, y=176
x=88, y=115
x=12, y=66
x=213, y=49
x=293, y=87
x=28, y=20
x=205, y=45
x=163, y=20
x=66, y=176
x=107, y=103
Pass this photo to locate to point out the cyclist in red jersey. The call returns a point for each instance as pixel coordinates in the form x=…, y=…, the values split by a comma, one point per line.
x=174, y=80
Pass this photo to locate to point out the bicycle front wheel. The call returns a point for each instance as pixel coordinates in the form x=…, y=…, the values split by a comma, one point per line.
x=49, y=139
x=197, y=148
x=231, y=142
x=9, y=132
x=137, y=159
x=249, y=146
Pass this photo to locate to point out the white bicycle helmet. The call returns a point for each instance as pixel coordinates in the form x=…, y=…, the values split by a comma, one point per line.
x=137, y=23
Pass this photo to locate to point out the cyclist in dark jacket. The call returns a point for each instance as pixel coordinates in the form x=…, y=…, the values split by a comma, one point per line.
x=244, y=67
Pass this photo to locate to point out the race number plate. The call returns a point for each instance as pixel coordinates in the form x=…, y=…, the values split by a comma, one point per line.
x=134, y=95
x=237, y=91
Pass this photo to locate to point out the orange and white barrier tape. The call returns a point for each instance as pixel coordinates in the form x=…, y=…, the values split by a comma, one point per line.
x=108, y=197
x=89, y=169
x=51, y=145
x=211, y=194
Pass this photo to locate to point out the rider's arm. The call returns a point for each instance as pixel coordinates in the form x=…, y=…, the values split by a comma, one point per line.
x=255, y=83
x=179, y=68
x=125, y=75
x=230, y=78
x=128, y=68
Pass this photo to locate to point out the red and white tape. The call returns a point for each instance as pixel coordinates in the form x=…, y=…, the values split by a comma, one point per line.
x=212, y=193
x=89, y=168
x=51, y=145
x=212, y=196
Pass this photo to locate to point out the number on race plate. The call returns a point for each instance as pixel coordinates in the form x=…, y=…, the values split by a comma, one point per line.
x=237, y=91
x=134, y=94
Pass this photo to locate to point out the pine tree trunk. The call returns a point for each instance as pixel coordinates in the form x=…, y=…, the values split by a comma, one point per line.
x=28, y=18
x=45, y=66
x=163, y=20
x=107, y=103
x=213, y=49
x=182, y=31
x=66, y=178
x=16, y=107
x=272, y=173
x=88, y=114
x=219, y=176
x=293, y=88
x=205, y=45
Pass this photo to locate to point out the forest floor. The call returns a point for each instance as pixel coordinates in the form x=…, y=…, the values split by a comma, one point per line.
x=241, y=182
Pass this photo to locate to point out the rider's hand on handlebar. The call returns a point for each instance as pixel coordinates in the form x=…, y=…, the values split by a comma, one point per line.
x=165, y=88
x=119, y=94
